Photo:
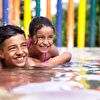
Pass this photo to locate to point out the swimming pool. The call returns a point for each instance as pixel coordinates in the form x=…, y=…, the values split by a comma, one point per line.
x=80, y=74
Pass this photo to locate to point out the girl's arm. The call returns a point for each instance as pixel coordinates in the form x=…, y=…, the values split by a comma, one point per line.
x=58, y=60
x=53, y=51
x=51, y=63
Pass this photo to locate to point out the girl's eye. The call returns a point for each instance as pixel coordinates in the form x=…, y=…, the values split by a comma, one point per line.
x=50, y=37
x=40, y=37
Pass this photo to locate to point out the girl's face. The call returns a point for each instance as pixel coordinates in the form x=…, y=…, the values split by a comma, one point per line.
x=15, y=51
x=43, y=39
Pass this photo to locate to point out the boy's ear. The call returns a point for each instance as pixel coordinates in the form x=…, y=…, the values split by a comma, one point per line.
x=1, y=54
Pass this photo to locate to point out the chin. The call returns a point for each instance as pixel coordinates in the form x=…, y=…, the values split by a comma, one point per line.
x=44, y=50
x=20, y=65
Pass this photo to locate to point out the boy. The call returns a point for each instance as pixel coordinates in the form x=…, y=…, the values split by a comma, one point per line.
x=13, y=48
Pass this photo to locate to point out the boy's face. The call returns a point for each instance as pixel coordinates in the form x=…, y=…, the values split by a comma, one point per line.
x=43, y=39
x=14, y=51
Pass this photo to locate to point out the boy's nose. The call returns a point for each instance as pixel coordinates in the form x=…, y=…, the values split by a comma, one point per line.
x=19, y=51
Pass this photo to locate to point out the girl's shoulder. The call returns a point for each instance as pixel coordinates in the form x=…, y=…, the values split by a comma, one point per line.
x=53, y=51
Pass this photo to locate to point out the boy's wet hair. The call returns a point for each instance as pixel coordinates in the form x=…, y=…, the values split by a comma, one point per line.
x=37, y=23
x=9, y=31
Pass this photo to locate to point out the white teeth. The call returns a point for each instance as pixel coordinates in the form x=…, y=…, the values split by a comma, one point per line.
x=20, y=58
x=44, y=47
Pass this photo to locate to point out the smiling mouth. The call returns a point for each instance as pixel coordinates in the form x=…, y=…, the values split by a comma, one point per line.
x=20, y=59
x=44, y=47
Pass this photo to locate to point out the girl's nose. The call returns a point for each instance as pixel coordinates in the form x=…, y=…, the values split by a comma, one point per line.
x=46, y=42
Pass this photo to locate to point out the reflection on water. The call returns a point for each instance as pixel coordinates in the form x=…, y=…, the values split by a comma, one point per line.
x=83, y=72
x=13, y=78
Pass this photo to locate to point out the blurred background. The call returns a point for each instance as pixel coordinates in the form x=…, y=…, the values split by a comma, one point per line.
x=77, y=22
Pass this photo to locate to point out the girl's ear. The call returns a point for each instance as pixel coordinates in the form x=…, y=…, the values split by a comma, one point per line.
x=29, y=36
x=32, y=39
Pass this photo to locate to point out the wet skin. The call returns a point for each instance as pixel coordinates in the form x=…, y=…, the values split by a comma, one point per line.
x=14, y=51
x=43, y=39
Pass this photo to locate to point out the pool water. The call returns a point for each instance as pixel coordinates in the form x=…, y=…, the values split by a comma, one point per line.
x=81, y=73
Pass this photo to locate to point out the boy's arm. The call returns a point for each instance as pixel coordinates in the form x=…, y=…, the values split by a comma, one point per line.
x=32, y=62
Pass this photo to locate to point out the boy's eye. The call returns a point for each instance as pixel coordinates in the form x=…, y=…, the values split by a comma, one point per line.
x=12, y=48
x=24, y=44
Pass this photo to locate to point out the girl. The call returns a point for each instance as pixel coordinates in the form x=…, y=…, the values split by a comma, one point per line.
x=40, y=43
